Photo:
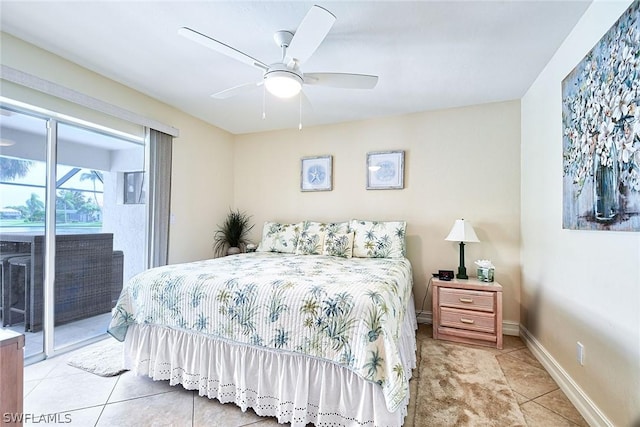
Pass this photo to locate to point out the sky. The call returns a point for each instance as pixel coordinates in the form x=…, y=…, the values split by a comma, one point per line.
x=14, y=195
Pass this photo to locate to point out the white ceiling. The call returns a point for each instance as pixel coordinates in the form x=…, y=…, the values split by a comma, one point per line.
x=428, y=54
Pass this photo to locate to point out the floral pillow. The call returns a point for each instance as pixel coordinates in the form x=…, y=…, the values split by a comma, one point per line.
x=312, y=235
x=329, y=228
x=310, y=244
x=379, y=239
x=278, y=237
x=338, y=244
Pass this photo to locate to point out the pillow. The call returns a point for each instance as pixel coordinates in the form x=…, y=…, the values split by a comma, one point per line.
x=329, y=228
x=338, y=244
x=278, y=237
x=310, y=243
x=379, y=239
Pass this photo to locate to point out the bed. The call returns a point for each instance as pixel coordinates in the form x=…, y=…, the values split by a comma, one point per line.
x=295, y=330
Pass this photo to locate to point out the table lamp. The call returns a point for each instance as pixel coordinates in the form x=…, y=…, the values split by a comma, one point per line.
x=462, y=231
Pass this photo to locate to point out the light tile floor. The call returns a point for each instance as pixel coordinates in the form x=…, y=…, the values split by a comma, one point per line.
x=84, y=399
x=541, y=401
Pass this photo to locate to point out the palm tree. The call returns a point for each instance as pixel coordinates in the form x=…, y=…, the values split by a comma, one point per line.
x=35, y=207
x=11, y=169
x=69, y=200
x=63, y=202
x=92, y=176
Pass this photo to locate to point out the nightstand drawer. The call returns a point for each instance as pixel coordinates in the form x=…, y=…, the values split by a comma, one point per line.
x=469, y=320
x=467, y=300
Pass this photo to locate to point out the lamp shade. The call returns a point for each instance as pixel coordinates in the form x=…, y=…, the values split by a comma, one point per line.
x=462, y=231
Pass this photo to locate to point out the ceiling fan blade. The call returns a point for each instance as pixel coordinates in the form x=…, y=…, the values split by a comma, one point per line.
x=341, y=80
x=310, y=33
x=237, y=90
x=221, y=47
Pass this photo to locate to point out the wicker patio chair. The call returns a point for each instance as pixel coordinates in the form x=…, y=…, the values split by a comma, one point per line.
x=8, y=250
x=83, y=278
x=18, y=289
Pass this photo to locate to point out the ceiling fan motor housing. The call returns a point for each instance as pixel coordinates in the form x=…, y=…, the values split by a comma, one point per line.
x=283, y=38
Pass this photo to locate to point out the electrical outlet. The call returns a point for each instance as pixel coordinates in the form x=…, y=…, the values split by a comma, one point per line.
x=580, y=353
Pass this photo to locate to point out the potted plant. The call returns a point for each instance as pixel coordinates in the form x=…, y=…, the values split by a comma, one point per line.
x=230, y=238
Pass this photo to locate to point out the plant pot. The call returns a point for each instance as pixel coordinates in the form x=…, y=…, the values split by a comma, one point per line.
x=233, y=250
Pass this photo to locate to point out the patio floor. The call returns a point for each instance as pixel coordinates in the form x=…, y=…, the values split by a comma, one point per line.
x=67, y=335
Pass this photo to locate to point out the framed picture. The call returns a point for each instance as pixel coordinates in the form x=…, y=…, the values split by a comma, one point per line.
x=315, y=173
x=385, y=170
x=600, y=135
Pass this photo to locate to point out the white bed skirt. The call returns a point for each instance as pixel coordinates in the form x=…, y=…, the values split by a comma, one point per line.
x=294, y=388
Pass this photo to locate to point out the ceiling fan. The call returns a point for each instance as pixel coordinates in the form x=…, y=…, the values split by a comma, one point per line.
x=284, y=79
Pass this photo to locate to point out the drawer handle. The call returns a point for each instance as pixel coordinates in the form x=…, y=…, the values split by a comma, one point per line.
x=468, y=321
x=467, y=300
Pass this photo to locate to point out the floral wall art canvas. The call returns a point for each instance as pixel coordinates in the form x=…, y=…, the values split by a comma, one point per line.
x=601, y=132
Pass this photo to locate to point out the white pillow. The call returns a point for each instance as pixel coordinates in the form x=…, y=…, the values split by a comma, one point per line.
x=278, y=237
x=338, y=244
x=378, y=239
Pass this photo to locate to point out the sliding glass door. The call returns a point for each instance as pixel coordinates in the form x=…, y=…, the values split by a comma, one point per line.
x=96, y=182
x=23, y=178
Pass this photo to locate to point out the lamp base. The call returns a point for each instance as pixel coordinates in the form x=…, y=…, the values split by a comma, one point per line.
x=462, y=270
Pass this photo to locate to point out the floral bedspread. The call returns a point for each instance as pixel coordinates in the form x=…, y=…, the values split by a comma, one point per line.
x=349, y=311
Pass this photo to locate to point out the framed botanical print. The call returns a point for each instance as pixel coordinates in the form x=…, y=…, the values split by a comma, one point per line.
x=315, y=173
x=385, y=170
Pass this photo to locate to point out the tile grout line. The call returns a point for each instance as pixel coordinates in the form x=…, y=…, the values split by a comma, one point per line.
x=519, y=360
x=107, y=401
x=533, y=399
x=142, y=397
x=32, y=388
x=551, y=409
x=193, y=408
x=560, y=415
x=511, y=387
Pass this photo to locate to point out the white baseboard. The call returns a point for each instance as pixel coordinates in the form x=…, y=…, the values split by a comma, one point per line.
x=511, y=328
x=508, y=327
x=589, y=411
x=424, y=317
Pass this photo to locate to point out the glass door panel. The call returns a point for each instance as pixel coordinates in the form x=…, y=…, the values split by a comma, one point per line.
x=100, y=228
x=23, y=144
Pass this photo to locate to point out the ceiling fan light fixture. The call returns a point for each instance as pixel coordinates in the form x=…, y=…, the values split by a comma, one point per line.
x=283, y=83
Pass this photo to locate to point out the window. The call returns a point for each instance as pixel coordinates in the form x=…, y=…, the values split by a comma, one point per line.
x=133, y=188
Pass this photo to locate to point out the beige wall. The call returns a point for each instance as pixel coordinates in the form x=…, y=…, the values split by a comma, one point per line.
x=459, y=163
x=577, y=285
x=201, y=184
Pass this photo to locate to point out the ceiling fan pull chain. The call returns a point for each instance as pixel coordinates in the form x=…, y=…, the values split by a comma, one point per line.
x=264, y=103
x=300, y=111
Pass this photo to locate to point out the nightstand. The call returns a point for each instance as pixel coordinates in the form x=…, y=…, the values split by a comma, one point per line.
x=468, y=311
x=11, y=375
